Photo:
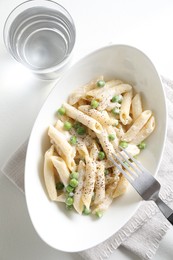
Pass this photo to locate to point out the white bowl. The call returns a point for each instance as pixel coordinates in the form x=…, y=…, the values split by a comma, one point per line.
x=68, y=231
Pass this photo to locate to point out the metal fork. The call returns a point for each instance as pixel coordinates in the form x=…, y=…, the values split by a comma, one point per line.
x=141, y=179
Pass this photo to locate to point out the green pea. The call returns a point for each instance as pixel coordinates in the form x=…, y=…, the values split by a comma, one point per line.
x=142, y=145
x=81, y=130
x=116, y=111
x=117, y=98
x=123, y=144
x=77, y=125
x=67, y=125
x=86, y=211
x=99, y=214
x=101, y=155
x=69, y=188
x=61, y=111
x=111, y=137
x=94, y=103
x=73, y=182
x=73, y=140
x=106, y=172
x=69, y=201
x=74, y=175
x=59, y=185
x=101, y=83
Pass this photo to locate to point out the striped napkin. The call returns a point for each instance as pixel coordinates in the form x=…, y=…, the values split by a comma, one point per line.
x=144, y=231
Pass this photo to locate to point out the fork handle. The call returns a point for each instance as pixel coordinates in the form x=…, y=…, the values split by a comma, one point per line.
x=170, y=219
x=165, y=209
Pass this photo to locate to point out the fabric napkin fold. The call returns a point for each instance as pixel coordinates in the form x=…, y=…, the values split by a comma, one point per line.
x=144, y=231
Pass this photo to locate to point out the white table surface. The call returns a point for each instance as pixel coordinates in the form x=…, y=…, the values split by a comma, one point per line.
x=144, y=24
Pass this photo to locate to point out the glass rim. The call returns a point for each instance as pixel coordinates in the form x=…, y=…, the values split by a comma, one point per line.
x=5, y=34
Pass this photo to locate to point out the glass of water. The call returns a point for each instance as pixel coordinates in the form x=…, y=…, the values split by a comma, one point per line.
x=40, y=34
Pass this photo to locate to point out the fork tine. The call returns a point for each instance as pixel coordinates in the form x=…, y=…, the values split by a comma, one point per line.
x=126, y=160
x=128, y=177
x=125, y=166
x=139, y=165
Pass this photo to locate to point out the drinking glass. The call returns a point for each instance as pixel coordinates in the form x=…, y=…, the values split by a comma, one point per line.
x=40, y=34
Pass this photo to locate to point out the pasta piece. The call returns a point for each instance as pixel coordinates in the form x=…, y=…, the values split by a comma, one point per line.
x=62, y=145
x=136, y=126
x=111, y=106
x=91, y=134
x=108, y=163
x=132, y=149
x=88, y=140
x=61, y=168
x=111, y=188
x=61, y=197
x=145, y=131
x=121, y=187
x=49, y=177
x=106, y=145
x=112, y=178
x=94, y=152
x=81, y=91
x=82, y=118
x=104, y=205
x=136, y=106
x=107, y=96
x=97, y=91
x=100, y=183
x=89, y=182
x=109, y=179
x=125, y=108
x=78, y=203
x=120, y=131
x=114, y=88
x=81, y=102
x=60, y=127
x=82, y=149
x=101, y=116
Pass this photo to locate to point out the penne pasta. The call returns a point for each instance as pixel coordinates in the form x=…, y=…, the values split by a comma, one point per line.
x=82, y=118
x=89, y=182
x=136, y=126
x=136, y=106
x=61, y=198
x=61, y=168
x=125, y=108
x=67, y=152
x=104, y=205
x=78, y=202
x=97, y=119
x=94, y=152
x=81, y=91
x=106, y=145
x=99, y=184
x=49, y=177
x=121, y=187
x=82, y=149
x=110, y=91
x=145, y=131
x=101, y=116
